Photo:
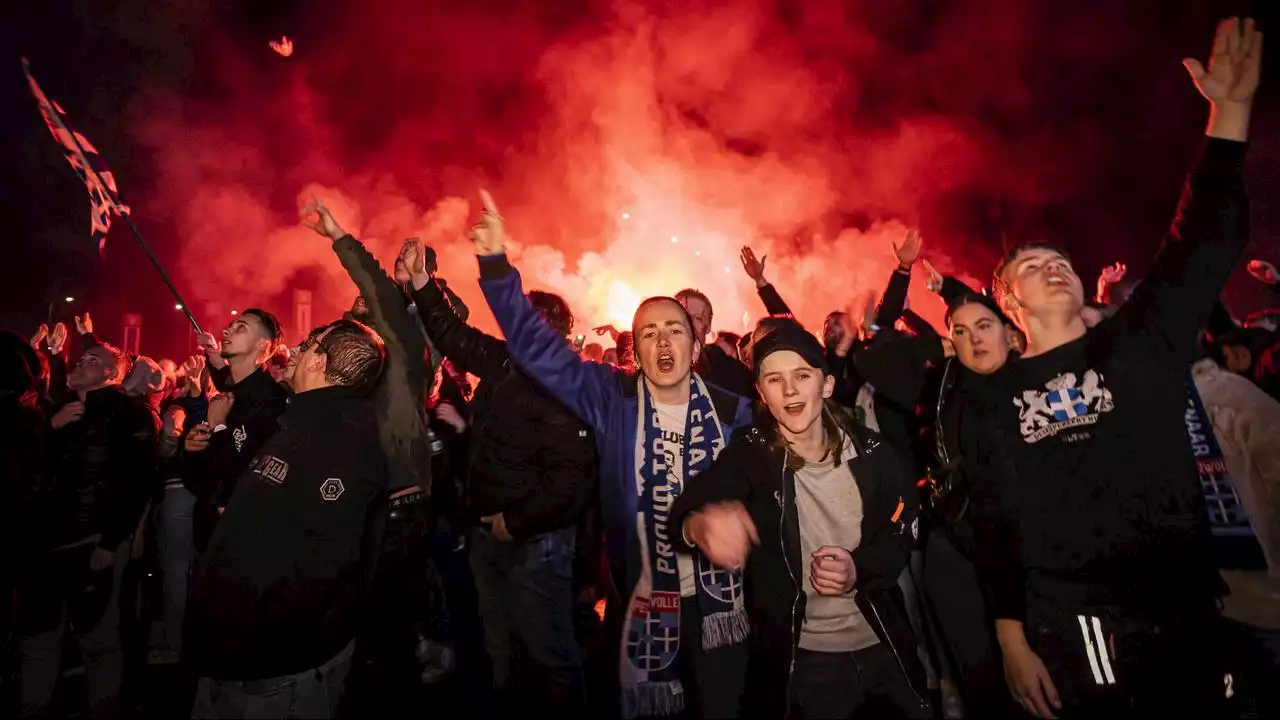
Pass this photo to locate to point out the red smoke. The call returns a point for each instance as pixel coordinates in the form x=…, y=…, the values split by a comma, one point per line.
x=604, y=131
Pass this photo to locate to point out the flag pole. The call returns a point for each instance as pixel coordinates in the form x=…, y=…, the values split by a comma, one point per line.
x=163, y=275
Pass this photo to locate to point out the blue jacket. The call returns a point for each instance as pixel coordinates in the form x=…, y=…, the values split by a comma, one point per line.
x=604, y=397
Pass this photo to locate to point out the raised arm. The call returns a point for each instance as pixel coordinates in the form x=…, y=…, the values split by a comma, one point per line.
x=469, y=349
x=894, y=300
x=1211, y=228
x=773, y=302
x=587, y=389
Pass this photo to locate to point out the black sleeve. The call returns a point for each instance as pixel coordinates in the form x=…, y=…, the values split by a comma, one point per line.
x=470, y=350
x=1173, y=302
x=896, y=365
x=996, y=537
x=727, y=480
x=773, y=302
x=133, y=474
x=953, y=290
x=387, y=306
x=919, y=325
x=894, y=299
x=224, y=463
x=220, y=377
x=567, y=458
x=880, y=558
x=1220, y=320
x=455, y=303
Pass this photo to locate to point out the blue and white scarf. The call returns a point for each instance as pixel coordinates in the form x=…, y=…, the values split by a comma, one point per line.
x=650, y=653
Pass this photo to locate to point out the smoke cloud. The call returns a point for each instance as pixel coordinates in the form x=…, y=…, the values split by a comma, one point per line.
x=633, y=148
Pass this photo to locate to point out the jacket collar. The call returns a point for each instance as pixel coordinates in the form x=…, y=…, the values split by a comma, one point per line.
x=323, y=400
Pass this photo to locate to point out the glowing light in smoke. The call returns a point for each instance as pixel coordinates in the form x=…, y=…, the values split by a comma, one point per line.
x=675, y=239
x=621, y=304
x=69, y=299
x=178, y=306
x=235, y=312
x=626, y=216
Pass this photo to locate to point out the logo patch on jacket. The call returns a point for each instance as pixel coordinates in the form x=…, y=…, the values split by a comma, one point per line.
x=239, y=436
x=331, y=489
x=270, y=468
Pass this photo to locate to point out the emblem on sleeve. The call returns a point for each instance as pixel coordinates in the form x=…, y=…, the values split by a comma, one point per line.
x=331, y=489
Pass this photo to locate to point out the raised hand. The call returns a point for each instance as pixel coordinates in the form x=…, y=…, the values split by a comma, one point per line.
x=1261, y=270
x=84, y=323
x=754, y=268
x=613, y=331
x=284, y=48
x=1108, y=278
x=42, y=332
x=489, y=235
x=212, y=349
x=724, y=533
x=58, y=339
x=909, y=250
x=317, y=217
x=414, y=257
x=934, y=281
x=1234, y=67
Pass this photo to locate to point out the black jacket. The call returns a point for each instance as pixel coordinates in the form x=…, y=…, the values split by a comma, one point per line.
x=211, y=474
x=276, y=592
x=531, y=459
x=400, y=395
x=102, y=468
x=753, y=473
x=718, y=368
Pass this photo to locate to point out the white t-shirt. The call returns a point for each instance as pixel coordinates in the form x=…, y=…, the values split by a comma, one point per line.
x=672, y=418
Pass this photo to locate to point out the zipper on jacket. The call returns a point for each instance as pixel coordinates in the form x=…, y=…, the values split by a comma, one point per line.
x=893, y=648
x=795, y=599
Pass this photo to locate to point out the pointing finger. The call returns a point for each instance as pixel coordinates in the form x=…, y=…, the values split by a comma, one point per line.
x=489, y=204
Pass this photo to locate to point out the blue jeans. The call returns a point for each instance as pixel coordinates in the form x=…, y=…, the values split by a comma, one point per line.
x=176, y=549
x=309, y=694
x=525, y=593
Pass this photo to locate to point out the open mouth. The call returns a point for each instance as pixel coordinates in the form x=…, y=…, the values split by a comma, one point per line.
x=1058, y=280
x=666, y=362
x=794, y=409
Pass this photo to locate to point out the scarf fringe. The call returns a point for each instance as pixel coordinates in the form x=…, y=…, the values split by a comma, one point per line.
x=664, y=698
x=725, y=628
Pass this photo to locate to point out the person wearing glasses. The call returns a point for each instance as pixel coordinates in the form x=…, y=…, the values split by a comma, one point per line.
x=273, y=613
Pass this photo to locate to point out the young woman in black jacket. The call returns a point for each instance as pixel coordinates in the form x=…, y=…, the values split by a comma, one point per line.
x=832, y=511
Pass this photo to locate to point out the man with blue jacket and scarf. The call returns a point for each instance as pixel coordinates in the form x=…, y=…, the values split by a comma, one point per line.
x=681, y=622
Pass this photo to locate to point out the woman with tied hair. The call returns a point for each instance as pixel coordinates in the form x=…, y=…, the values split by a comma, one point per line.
x=820, y=513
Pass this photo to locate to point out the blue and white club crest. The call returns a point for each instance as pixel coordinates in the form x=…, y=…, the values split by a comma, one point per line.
x=653, y=631
x=720, y=584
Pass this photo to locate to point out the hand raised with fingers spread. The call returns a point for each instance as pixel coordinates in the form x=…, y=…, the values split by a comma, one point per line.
x=909, y=250
x=490, y=234
x=1234, y=67
x=414, y=257
x=84, y=323
x=58, y=339
x=42, y=332
x=754, y=268
x=317, y=217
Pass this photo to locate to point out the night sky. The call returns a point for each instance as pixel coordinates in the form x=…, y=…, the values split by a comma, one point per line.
x=817, y=131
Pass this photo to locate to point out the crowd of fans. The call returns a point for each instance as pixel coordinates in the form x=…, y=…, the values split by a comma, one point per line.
x=1060, y=506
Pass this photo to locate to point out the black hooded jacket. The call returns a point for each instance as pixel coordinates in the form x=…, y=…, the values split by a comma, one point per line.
x=754, y=473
